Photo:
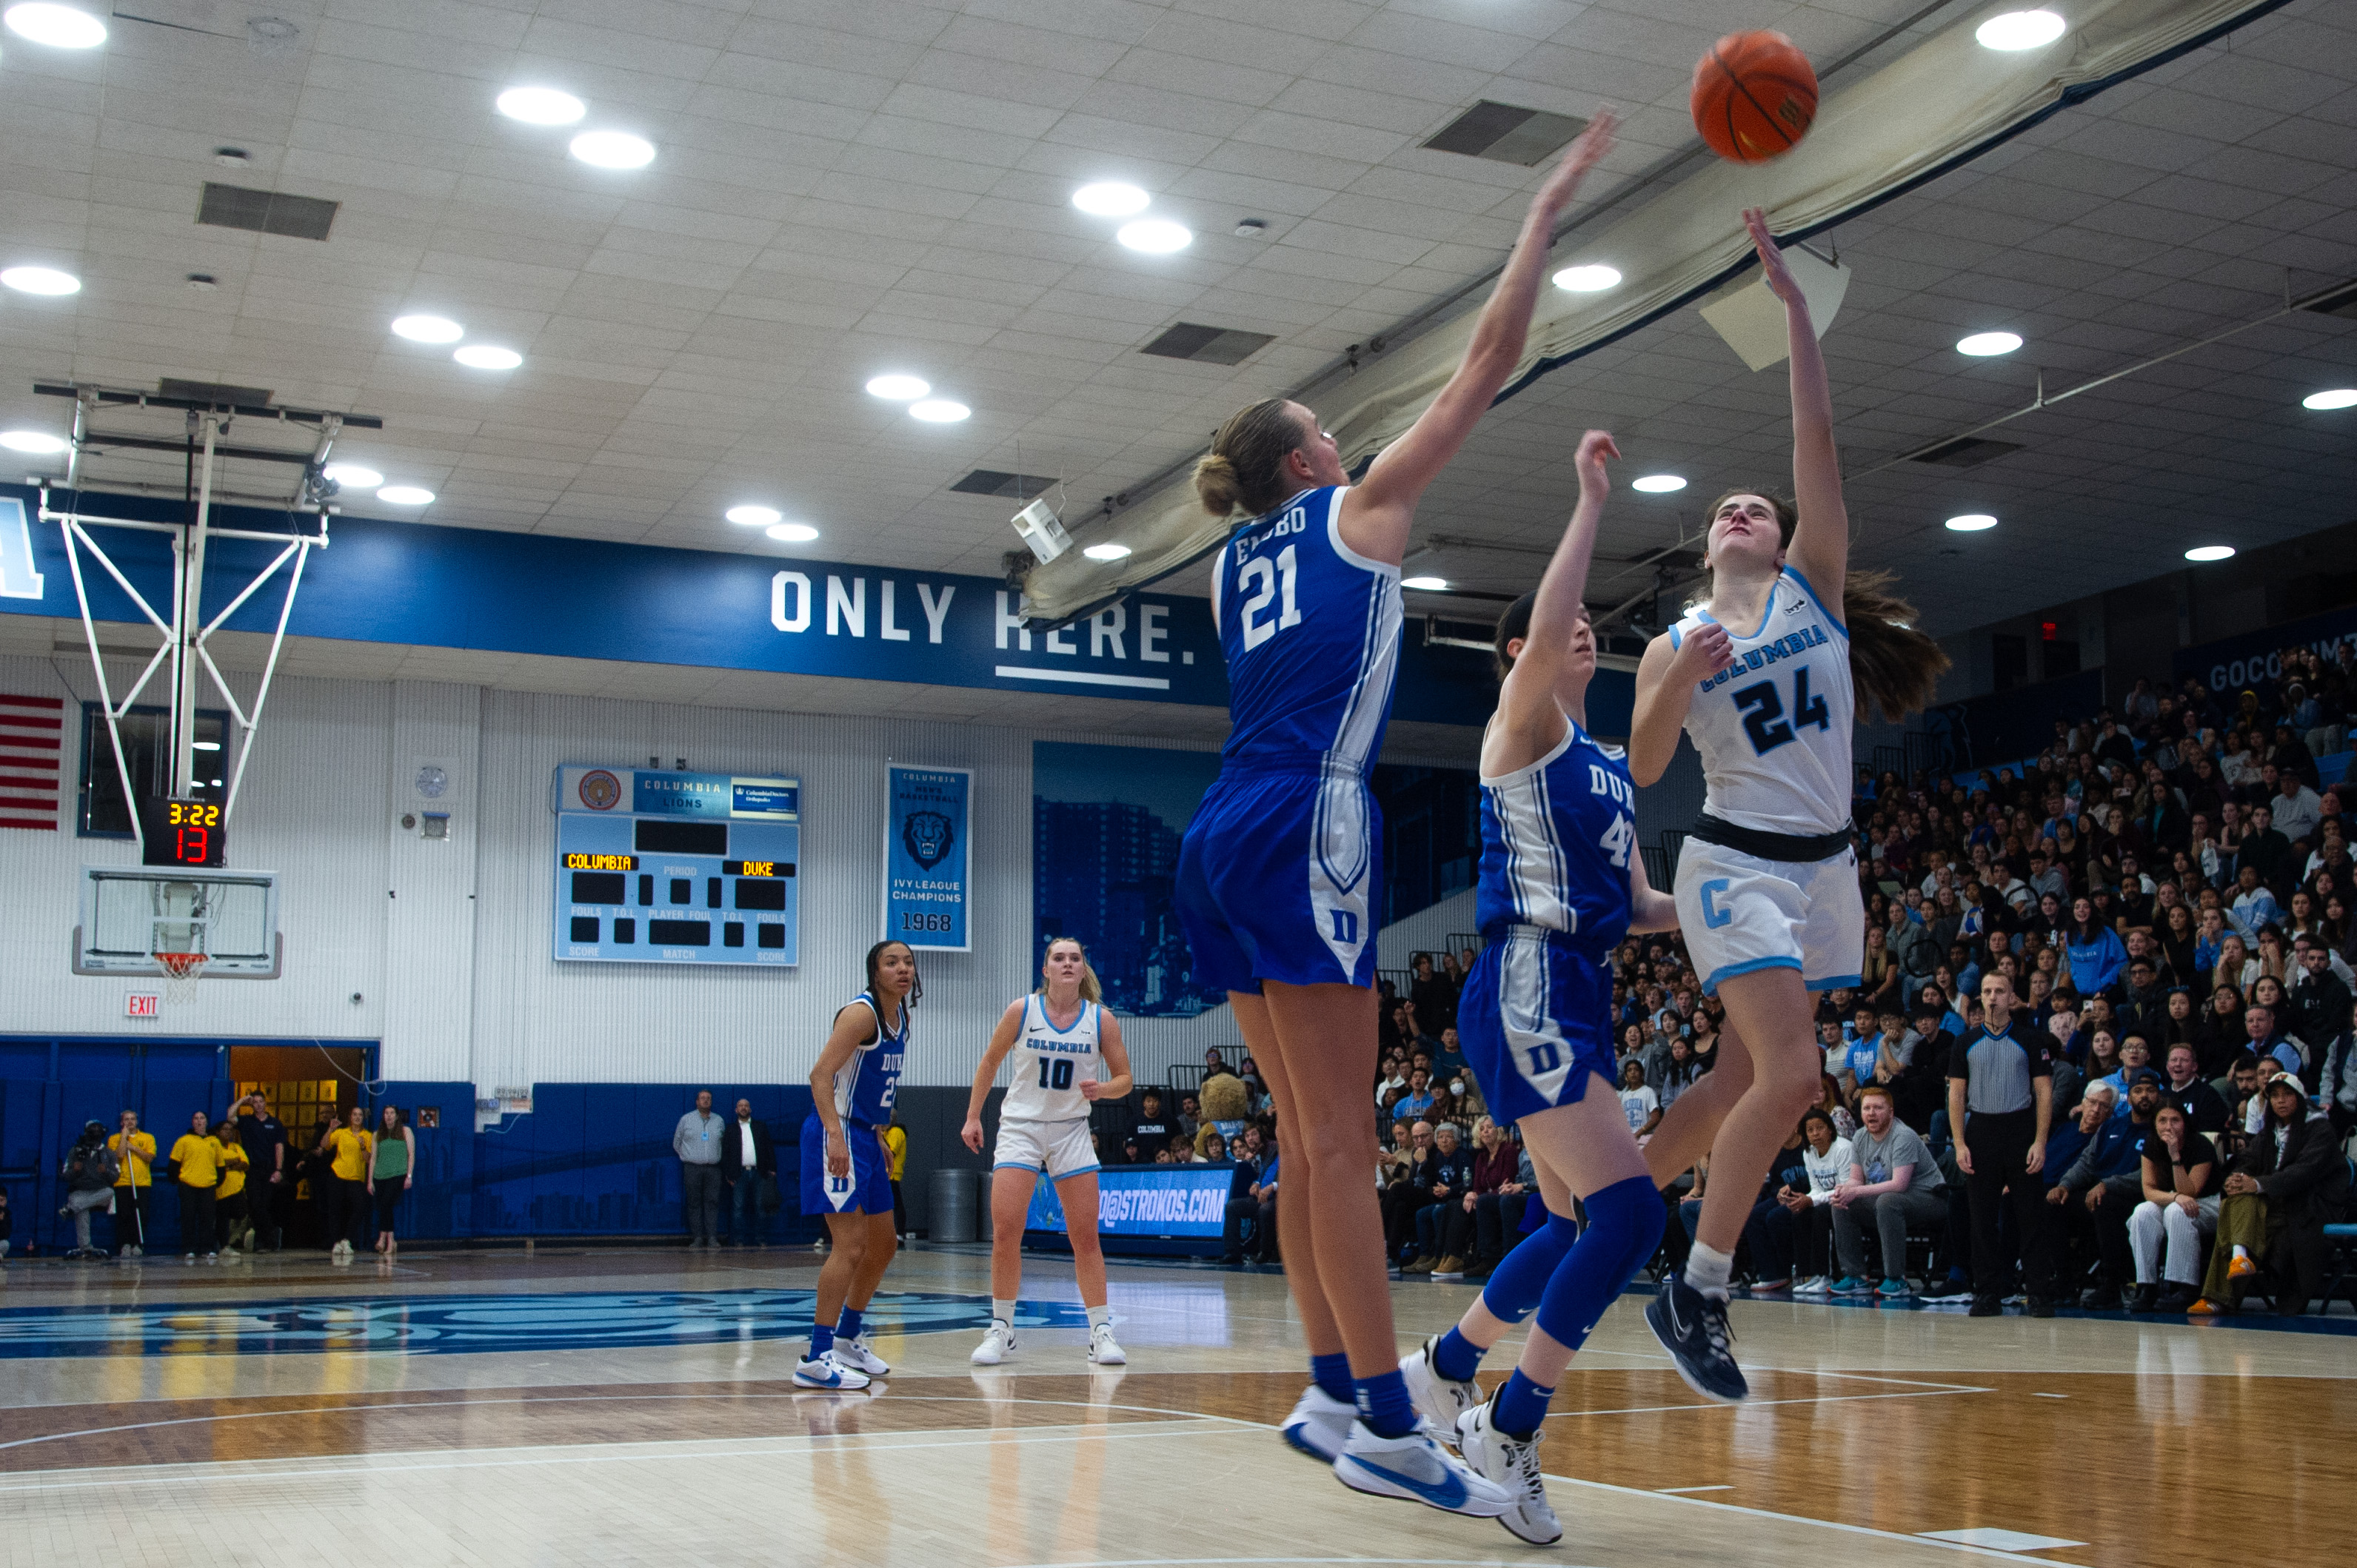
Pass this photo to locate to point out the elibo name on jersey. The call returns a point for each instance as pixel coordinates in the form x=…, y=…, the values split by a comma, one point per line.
x=1790, y=647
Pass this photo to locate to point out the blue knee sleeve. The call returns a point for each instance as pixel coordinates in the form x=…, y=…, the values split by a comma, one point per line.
x=1624, y=1226
x=1518, y=1283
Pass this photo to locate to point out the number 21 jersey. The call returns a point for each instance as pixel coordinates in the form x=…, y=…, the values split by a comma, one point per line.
x=1311, y=633
x=1774, y=727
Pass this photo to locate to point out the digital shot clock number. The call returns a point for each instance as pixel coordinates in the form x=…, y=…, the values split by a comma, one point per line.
x=182, y=833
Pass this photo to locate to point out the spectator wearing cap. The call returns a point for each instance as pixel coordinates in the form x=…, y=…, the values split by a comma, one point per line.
x=2288, y=1184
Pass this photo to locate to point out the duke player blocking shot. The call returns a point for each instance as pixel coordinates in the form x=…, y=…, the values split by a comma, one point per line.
x=1760, y=674
x=847, y=1172
x=1561, y=883
x=1278, y=874
x=1067, y=1055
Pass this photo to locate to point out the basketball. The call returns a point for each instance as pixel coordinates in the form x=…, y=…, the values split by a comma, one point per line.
x=1754, y=96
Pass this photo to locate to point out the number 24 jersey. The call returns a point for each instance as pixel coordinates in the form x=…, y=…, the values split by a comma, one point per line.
x=1774, y=727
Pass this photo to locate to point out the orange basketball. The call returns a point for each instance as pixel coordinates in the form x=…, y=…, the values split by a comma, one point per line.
x=1754, y=95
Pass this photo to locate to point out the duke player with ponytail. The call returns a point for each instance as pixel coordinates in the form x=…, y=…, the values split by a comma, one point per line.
x=1768, y=679
x=1560, y=885
x=1068, y=1055
x=1278, y=876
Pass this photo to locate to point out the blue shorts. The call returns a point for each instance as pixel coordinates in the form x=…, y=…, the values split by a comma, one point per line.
x=1535, y=1019
x=866, y=1190
x=1277, y=878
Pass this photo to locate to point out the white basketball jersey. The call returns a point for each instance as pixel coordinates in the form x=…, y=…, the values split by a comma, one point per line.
x=1774, y=728
x=1050, y=1065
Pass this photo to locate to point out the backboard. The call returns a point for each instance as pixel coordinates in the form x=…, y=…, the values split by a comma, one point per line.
x=131, y=913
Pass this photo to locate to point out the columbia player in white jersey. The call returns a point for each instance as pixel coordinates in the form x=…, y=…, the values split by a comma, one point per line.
x=1767, y=882
x=1066, y=1054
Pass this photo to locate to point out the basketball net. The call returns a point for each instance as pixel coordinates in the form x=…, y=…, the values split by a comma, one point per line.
x=181, y=972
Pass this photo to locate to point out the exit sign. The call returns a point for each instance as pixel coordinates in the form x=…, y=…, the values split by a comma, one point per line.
x=140, y=1006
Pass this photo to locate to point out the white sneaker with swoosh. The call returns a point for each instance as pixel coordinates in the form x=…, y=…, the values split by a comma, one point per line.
x=1416, y=1467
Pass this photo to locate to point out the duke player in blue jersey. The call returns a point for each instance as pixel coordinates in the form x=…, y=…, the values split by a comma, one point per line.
x=847, y=1171
x=1278, y=876
x=1760, y=674
x=1561, y=883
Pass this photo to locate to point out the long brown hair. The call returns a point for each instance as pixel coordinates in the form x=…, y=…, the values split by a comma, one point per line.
x=1893, y=666
x=1245, y=467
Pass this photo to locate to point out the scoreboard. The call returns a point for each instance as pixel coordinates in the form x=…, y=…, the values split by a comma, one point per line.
x=655, y=867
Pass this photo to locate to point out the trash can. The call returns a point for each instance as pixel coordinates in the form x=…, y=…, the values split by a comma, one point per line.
x=954, y=1200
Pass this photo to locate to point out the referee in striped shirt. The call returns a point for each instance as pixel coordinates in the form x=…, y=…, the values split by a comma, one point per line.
x=2001, y=1102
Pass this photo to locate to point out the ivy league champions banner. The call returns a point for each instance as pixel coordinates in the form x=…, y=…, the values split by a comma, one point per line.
x=927, y=860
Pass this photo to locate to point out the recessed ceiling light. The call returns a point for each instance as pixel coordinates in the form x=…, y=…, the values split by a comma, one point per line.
x=1981, y=345
x=939, y=411
x=2339, y=397
x=1971, y=522
x=794, y=532
x=484, y=357
x=2020, y=30
x=1593, y=278
x=1111, y=199
x=203, y=283
x=1106, y=551
x=1155, y=236
x=427, y=329
x=233, y=157
x=60, y=26
x=406, y=495
x=613, y=149
x=753, y=516
x=541, y=106
x=2211, y=552
x=40, y=280
x=1425, y=585
x=898, y=388
x=1658, y=484
x=38, y=442
x=353, y=476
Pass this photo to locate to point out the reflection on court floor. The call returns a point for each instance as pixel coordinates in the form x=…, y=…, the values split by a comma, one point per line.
x=475, y=1324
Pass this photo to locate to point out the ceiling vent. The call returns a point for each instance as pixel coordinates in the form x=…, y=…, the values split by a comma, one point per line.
x=2339, y=300
x=265, y=212
x=992, y=482
x=1967, y=452
x=1506, y=134
x=1208, y=345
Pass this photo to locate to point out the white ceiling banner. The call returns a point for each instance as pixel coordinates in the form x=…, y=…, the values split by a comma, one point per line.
x=1939, y=105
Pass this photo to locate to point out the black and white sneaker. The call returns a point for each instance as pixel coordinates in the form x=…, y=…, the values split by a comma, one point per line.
x=1514, y=1464
x=1693, y=1328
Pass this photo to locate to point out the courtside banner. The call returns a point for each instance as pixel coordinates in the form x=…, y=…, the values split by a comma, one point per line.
x=928, y=857
x=1189, y=1201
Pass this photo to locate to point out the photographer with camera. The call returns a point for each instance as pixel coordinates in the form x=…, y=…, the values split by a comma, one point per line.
x=89, y=1170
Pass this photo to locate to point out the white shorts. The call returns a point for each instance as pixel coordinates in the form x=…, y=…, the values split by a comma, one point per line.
x=1060, y=1148
x=1740, y=913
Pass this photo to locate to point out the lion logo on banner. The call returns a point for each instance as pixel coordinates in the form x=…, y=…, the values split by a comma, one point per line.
x=927, y=836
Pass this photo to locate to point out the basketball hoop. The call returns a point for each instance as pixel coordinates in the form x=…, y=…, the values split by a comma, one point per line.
x=181, y=972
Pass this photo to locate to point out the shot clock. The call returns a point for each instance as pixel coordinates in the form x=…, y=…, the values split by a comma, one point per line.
x=181, y=832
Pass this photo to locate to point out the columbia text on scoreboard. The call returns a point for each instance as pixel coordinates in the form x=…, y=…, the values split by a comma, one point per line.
x=655, y=867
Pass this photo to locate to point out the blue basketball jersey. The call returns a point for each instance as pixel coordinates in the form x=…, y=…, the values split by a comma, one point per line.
x=1311, y=633
x=864, y=1086
x=1556, y=842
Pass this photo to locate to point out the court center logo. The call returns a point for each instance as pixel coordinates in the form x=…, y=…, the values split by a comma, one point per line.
x=600, y=790
x=928, y=836
x=465, y=1325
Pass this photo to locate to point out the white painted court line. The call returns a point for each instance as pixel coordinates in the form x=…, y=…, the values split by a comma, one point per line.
x=2000, y=1540
x=1677, y=1491
x=2039, y=1396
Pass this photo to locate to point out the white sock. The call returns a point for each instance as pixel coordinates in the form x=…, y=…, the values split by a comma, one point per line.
x=1003, y=1312
x=1708, y=1270
x=1100, y=1318
x=2241, y=1251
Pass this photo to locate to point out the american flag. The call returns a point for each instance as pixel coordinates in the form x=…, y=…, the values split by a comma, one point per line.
x=31, y=732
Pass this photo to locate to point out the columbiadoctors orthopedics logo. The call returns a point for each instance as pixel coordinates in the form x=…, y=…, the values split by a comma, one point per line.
x=464, y=1325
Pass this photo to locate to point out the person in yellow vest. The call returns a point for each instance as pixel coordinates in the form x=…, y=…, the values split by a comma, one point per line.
x=134, y=1153
x=896, y=1150
x=231, y=1201
x=195, y=1168
x=351, y=1151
